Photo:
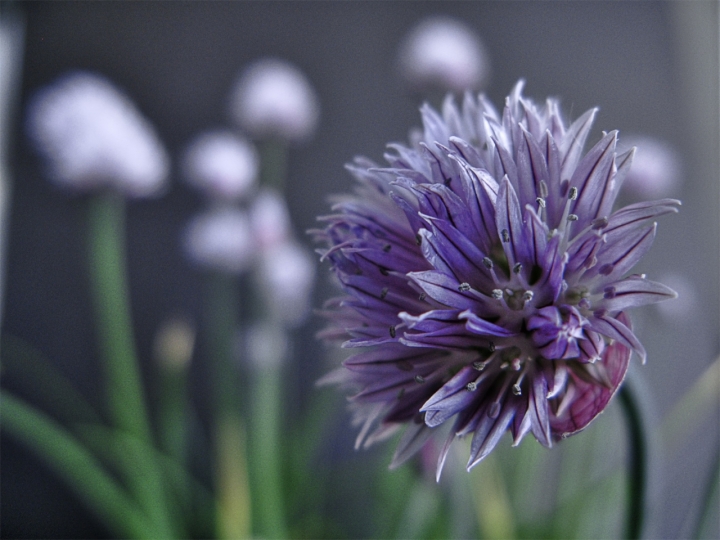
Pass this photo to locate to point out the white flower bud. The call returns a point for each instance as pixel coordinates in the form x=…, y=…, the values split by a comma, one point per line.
x=272, y=98
x=655, y=170
x=222, y=165
x=286, y=275
x=443, y=53
x=221, y=239
x=93, y=136
x=270, y=219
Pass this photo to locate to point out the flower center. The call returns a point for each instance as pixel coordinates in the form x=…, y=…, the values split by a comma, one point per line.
x=555, y=332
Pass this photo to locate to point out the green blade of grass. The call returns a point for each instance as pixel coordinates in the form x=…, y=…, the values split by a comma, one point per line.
x=77, y=467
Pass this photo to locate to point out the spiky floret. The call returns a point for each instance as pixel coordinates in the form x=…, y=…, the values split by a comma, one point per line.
x=486, y=277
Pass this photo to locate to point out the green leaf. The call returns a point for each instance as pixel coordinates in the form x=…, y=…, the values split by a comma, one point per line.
x=29, y=368
x=77, y=467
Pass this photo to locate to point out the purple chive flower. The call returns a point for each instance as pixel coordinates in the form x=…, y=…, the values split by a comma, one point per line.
x=486, y=278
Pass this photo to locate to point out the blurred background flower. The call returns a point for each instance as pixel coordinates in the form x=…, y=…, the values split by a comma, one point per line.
x=221, y=165
x=273, y=99
x=443, y=53
x=93, y=136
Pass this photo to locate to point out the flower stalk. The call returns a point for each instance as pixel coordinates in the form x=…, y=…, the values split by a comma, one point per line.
x=266, y=391
x=124, y=387
x=274, y=164
x=637, y=473
x=266, y=395
x=234, y=503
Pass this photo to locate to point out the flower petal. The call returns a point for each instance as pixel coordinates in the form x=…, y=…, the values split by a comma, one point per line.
x=574, y=141
x=617, y=257
x=633, y=291
x=538, y=407
x=615, y=329
x=508, y=219
x=414, y=437
x=484, y=328
x=489, y=432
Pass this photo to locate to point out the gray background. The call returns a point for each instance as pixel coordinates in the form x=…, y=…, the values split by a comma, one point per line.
x=652, y=67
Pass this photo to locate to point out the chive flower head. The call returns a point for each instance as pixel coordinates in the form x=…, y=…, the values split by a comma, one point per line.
x=487, y=278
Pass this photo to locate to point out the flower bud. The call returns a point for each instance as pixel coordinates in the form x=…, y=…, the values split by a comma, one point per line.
x=93, y=136
x=272, y=98
x=443, y=53
x=220, y=239
x=222, y=165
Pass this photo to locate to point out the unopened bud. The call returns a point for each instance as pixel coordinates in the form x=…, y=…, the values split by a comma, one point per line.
x=444, y=53
x=272, y=98
x=221, y=240
x=222, y=165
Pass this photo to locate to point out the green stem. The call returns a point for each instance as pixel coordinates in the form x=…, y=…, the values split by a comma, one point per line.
x=77, y=467
x=222, y=317
x=111, y=297
x=266, y=390
x=273, y=156
x=124, y=385
x=231, y=484
x=233, y=490
x=637, y=481
x=265, y=443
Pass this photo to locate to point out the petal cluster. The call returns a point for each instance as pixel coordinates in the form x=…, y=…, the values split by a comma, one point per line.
x=486, y=277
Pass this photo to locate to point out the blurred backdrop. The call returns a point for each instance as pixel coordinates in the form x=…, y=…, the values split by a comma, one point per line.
x=652, y=67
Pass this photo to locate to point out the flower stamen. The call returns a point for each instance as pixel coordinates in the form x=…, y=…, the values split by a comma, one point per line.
x=487, y=262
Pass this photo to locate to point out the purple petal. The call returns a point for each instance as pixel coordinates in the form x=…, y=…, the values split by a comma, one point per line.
x=443, y=454
x=532, y=170
x=554, y=205
x=631, y=217
x=489, y=432
x=484, y=328
x=537, y=237
x=633, y=291
x=508, y=218
x=482, y=196
x=438, y=328
x=521, y=424
x=615, y=329
x=538, y=406
x=416, y=434
x=621, y=167
x=446, y=290
x=453, y=396
x=591, y=179
x=574, y=141
x=433, y=253
x=461, y=254
x=616, y=258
